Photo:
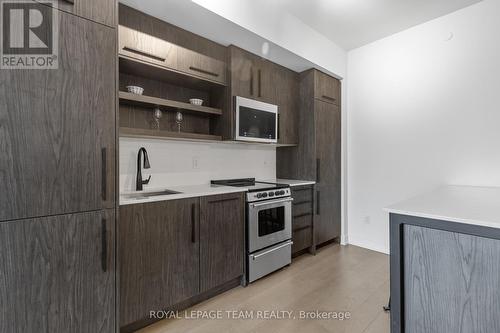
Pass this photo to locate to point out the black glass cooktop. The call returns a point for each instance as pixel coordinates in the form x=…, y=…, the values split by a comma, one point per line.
x=249, y=183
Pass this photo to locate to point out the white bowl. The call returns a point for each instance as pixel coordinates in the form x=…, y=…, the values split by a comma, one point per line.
x=196, y=101
x=135, y=90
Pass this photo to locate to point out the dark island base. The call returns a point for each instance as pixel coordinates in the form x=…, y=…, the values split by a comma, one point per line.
x=445, y=276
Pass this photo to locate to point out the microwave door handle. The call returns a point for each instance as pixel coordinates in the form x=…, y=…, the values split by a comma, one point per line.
x=267, y=203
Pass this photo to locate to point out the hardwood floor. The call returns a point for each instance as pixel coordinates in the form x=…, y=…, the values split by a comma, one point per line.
x=339, y=278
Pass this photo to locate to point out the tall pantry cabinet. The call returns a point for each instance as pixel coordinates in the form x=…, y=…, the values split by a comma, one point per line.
x=318, y=154
x=57, y=211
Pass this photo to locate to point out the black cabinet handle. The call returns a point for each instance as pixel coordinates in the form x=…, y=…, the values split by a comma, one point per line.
x=318, y=202
x=203, y=71
x=104, y=245
x=318, y=169
x=193, y=223
x=104, y=174
x=143, y=53
x=329, y=98
x=70, y=1
x=251, y=81
x=260, y=83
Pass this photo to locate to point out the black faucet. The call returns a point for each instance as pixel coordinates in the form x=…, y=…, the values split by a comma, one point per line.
x=139, y=181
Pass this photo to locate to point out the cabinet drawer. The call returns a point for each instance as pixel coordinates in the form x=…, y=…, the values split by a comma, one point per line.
x=100, y=11
x=302, y=239
x=139, y=45
x=327, y=88
x=200, y=65
x=302, y=208
x=303, y=221
x=302, y=194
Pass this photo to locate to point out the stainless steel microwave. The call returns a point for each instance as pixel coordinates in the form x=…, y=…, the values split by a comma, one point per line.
x=256, y=121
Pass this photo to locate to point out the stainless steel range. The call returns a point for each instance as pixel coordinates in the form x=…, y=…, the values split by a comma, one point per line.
x=269, y=225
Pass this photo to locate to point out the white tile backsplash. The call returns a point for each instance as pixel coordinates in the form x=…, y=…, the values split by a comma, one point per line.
x=177, y=163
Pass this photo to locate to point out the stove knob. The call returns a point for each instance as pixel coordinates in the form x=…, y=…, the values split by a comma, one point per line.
x=282, y=192
x=264, y=195
x=277, y=193
x=259, y=195
x=271, y=194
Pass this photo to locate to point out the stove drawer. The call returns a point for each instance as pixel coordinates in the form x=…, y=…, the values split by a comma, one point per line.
x=268, y=260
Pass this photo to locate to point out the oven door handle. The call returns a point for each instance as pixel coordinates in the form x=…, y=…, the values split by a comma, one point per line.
x=267, y=203
x=272, y=250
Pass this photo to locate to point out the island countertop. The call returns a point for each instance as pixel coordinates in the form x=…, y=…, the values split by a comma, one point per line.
x=463, y=204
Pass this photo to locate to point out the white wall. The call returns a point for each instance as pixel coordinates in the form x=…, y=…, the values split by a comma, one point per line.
x=423, y=111
x=172, y=162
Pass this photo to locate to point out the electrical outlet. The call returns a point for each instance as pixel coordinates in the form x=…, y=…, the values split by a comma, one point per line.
x=195, y=162
x=367, y=220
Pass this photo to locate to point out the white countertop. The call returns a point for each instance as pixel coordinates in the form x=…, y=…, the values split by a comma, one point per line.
x=463, y=204
x=189, y=191
x=291, y=182
x=192, y=191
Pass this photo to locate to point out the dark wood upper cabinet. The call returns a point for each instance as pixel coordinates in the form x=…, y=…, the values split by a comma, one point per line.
x=58, y=274
x=326, y=88
x=139, y=45
x=100, y=11
x=242, y=73
x=148, y=48
x=58, y=127
x=200, y=65
x=260, y=79
x=222, y=239
x=286, y=85
x=159, y=250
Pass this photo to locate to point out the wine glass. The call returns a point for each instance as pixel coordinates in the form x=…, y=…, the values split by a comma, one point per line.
x=178, y=120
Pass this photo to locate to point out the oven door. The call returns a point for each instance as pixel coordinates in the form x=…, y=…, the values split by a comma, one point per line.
x=256, y=121
x=269, y=222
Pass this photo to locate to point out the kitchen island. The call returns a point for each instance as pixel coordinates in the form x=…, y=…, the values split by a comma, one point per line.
x=445, y=261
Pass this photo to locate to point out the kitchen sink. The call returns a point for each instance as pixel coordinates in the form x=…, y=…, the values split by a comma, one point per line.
x=143, y=195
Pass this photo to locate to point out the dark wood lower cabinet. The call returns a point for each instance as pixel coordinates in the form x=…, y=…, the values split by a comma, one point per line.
x=302, y=219
x=57, y=274
x=159, y=253
x=222, y=239
x=174, y=253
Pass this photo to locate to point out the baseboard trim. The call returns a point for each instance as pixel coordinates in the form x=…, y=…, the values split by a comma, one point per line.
x=368, y=245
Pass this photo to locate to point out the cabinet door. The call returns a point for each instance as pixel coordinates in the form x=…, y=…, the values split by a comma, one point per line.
x=222, y=239
x=57, y=274
x=326, y=88
x=139, y=45
x=159, y=256
x=242, y=73
x=101, y=11
x=57, y=132
x=287, y=99
x=200, y=65
x=328, y=168
x=265, y=73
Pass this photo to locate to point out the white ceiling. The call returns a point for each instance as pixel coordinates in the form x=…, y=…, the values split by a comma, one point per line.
x=298, y=34
x=353, y=23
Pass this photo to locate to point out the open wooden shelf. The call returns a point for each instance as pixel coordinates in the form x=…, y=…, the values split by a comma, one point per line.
x=157, y=134
x=160, y=73
x=127, y=132
x=149, y=101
